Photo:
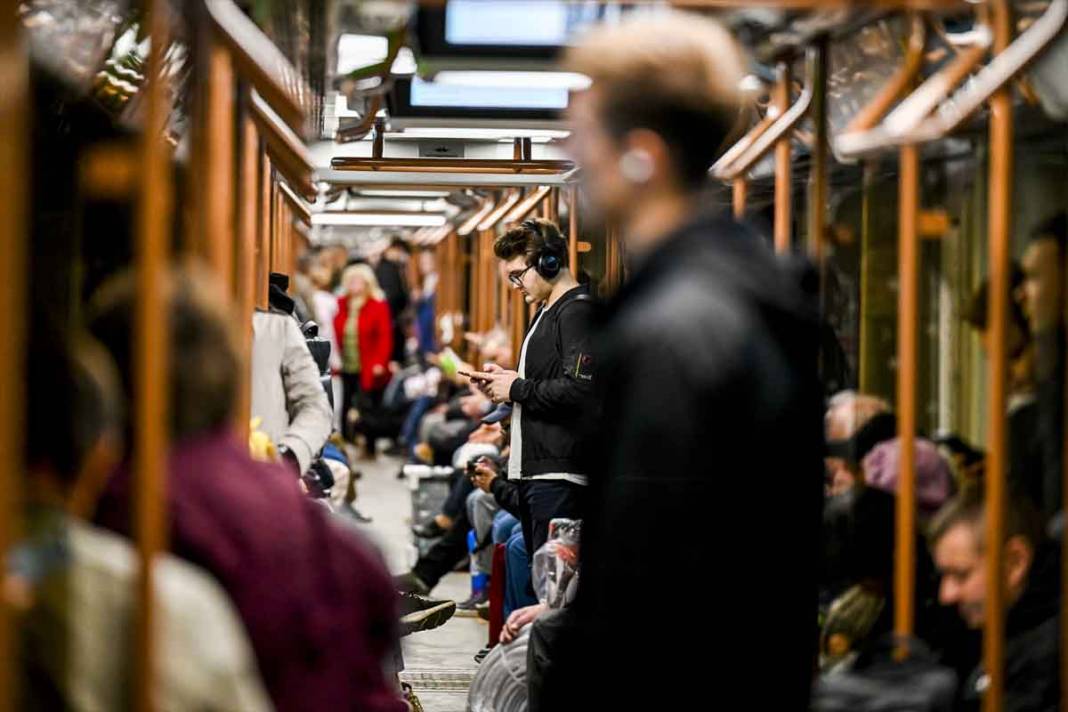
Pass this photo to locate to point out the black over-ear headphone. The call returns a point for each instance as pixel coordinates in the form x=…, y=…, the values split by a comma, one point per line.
x=549, y=260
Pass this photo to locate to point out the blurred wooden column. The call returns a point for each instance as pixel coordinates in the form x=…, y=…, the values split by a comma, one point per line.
x=217, y=182
x=263, y=230
x=573, y=228
x=151, y=353
x=249, y=195
x=15, y=120
x=1000, y=250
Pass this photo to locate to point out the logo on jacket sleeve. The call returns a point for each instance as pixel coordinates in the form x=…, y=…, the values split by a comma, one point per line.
x=584, y=367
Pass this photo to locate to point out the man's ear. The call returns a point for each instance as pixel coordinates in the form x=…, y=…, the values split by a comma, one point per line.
x=1019, y=554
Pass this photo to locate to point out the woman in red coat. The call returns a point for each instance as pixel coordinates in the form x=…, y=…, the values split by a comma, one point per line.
x=363, y=332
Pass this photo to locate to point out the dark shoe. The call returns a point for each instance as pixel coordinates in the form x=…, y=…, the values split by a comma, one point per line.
x=427, y=530
x=481, y=654
x=410, y=583
x=483, y=611
x=421, y=614
x=353, y=513
x=476, y=598
x=410, y=698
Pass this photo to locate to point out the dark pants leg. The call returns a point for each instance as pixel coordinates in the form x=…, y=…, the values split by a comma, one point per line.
x=446, y=553
x=456, y=503
x=550, y=685
x=350, y=393
x=541, y=501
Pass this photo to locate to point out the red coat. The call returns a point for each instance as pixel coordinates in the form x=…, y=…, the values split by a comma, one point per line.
x=375, y=336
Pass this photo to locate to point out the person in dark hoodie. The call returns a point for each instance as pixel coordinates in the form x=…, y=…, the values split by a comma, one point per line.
x=707, y=362
x=1032, y=593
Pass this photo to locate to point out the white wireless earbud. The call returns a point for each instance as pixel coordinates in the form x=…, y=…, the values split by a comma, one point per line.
x=636, y=166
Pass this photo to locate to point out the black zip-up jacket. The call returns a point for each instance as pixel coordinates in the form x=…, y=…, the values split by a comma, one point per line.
x=557, y=394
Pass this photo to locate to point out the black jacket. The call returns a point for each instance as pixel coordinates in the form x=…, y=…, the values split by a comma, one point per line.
x=1032, y=643
x=557, y=395
x=707, y=489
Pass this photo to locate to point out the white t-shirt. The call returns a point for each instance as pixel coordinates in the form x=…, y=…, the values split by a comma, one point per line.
x=515, y=458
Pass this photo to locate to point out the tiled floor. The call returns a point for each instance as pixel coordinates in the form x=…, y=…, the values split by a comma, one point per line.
x=438, y=663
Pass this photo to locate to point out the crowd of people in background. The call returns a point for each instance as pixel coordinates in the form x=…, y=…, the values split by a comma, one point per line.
x=664, y=446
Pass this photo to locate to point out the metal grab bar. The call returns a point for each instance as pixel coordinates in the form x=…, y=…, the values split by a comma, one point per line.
x=1001, y=70
x=917, y=105
x=779, y=128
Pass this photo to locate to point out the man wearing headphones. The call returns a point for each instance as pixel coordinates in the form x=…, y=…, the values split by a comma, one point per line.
x=552, y=393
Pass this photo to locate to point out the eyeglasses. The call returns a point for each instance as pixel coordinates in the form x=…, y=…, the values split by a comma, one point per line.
x=516, y=277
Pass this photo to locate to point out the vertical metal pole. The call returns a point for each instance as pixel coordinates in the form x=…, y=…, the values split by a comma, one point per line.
x=783, y=167
x=739, y=197
x=217, y=182
x=1000, y=225
x=907, y=317
x=151, y=350
x=817, y=179
x=14, y=166
x=246, y=265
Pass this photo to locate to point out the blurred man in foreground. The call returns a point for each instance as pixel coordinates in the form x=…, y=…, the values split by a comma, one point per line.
x=709, y=383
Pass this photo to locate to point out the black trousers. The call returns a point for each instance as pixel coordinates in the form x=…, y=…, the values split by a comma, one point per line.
x=551, y=667
x=350, y=394
x=456, y=503
x=368, y=403
x=541, y=501
x=446, y=554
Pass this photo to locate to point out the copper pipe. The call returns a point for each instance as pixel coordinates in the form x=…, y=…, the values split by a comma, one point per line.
x=1000, y=247
x=15, y=123
x=817, y=179
x=783, y=167
x=217, y=182
x=784, y=123
x=739, y=196
x=573, y=229
x=907, y=319
x=151, y=353
x=452, y=165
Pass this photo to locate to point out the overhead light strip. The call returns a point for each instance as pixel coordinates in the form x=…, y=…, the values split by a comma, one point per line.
x=378, y=219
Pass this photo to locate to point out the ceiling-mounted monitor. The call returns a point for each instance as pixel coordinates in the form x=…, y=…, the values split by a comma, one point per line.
x=416, y=102
x=507, y=34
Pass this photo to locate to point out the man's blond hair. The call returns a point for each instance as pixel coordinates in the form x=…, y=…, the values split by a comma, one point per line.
x=676, y=74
